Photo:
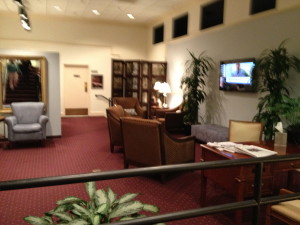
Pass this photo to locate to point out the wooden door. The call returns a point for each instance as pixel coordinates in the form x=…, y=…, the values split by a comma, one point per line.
x=76, y=98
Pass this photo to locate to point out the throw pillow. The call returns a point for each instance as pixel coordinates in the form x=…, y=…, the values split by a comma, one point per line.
x=131, y=112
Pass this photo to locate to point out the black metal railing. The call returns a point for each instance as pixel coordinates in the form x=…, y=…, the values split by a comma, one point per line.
x=256, y=202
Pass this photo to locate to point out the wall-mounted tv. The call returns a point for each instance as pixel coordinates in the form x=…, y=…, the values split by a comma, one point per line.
x=236, y=75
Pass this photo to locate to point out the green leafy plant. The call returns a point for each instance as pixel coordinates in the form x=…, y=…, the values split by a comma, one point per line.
x=289, y=113
x=272, y=69
x=103, y=207
x=193, y=84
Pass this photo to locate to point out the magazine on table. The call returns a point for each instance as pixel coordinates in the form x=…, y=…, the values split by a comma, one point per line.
x=251, y=150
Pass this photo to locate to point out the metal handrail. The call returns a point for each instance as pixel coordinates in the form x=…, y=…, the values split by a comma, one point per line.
x=256, y=202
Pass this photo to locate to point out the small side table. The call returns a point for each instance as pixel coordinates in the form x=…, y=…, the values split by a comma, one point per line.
x=2, y=137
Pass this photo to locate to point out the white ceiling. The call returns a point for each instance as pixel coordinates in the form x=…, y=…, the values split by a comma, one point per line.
x=144, y=11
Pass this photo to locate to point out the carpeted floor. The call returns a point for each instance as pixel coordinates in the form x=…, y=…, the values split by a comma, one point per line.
x=83, y=148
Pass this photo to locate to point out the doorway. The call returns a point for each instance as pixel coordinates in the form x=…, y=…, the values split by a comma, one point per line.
x=76, y=97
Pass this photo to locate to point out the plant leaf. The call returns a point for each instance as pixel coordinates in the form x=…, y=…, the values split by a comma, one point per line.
x=36, y=220
x=126, y=209
x=69, y=200
x=111, y=195
x=151, y=208
x=96, y=219
x=101, y=197
x=127, y=197
x=62, y=216
x=79, y=222
x=81, y=210
x=102, y=209
x=90, y=188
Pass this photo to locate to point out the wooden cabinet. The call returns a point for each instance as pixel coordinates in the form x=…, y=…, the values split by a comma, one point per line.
x=136, y=78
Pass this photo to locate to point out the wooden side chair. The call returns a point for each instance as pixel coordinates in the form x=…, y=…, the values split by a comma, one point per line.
x=244, y=131
x=287, y=212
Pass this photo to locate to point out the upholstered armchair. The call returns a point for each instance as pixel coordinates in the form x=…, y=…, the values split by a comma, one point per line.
x=146, y=143
x=27, y=122
x=113, y=114
x=131, y=105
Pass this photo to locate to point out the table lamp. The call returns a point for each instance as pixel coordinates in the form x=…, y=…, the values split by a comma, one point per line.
x=164, y=89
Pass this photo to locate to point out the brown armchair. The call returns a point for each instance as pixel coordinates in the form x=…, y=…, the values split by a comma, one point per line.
x=147, y=144
x=131, y=106
x=113, y=114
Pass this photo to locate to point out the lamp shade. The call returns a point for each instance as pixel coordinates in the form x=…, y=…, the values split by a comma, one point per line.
x=157, y=85
x=164, y=88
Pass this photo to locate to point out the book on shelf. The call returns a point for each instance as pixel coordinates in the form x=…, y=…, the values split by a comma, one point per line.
x=251, y=150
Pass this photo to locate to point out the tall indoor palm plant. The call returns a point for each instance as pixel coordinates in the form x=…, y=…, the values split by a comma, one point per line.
x=272, y=69
x=193, y=84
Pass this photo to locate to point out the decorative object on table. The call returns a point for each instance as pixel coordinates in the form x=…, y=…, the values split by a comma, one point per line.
x=164, y=88
x=103, y=207
x=193, y=85
x=97, y=81
x=271, y=72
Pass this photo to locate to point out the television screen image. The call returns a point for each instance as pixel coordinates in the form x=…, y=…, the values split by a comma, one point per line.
x=236, y=75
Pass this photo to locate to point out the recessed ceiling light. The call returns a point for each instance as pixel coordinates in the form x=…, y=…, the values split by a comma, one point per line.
x=96, y=12
x=57, y=8
x=130, y=16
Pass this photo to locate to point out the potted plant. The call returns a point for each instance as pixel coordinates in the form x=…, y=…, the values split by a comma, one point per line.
x=193, y=85
x=271, y=72
x=103, y=207
x=289, y=113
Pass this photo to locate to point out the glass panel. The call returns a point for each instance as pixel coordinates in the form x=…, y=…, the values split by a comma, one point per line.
x=132, y=68
x=118, y=82
x=135, y=83
x=145, y=83
x=145, y=69
x=158, y=69
x=118, y=68
x=145, y=97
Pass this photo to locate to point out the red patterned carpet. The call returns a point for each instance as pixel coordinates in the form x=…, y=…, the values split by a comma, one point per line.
x=84, y=147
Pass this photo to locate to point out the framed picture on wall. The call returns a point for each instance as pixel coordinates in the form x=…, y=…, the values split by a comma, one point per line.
x=97, y=81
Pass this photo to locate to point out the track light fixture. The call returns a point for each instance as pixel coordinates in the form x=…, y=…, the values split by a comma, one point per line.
x=24, y=19
x=22, y=13
x=19, y=3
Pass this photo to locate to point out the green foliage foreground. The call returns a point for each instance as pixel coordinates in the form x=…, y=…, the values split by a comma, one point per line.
x=103, y=207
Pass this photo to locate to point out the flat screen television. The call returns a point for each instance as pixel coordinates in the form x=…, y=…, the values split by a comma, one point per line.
x=236, y=75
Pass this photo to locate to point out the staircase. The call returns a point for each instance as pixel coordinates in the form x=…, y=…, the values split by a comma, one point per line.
x=28, y=90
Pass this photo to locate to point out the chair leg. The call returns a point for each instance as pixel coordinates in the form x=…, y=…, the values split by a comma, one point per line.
x=111, y=148
x=126, y=164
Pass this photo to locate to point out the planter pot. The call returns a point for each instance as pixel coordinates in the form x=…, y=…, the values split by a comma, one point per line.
x=293, y=136
x=187, y=129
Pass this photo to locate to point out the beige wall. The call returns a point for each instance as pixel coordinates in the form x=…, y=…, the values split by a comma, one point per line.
x=221, y=44
x=78, y=42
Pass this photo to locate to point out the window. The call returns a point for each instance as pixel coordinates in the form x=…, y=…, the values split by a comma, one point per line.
x=180, y=26
x=158, y=34
x=212, y=14
x=262, y=5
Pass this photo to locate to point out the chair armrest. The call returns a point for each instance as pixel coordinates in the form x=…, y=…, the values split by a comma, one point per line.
x=43, y=119
x=179, y=150
x=162, y=112
x=11, y=121
x=140, y=111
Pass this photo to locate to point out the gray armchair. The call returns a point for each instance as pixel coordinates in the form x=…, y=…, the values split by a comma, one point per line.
x=27, y=122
